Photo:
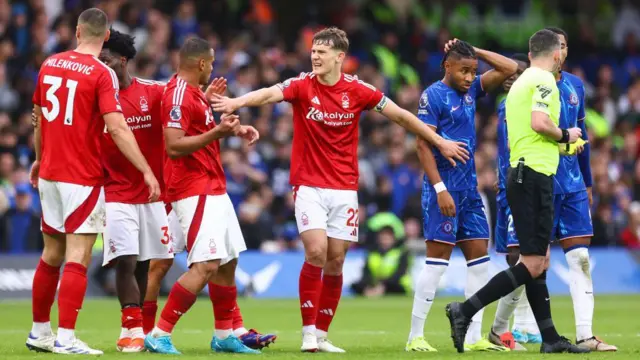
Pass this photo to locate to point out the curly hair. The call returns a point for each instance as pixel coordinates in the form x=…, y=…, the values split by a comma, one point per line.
x=459, y=50
x=121, y=44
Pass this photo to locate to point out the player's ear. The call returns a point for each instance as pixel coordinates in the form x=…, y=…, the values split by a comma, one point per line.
x=529, y=56
x=341, y=56
x=78, y=32
x=201, y=64
x=107, y=35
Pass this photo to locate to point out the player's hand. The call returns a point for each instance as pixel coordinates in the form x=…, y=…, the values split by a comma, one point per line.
x=446, y=204
x=223, y=104
x=34, y=174
x=590, y=194
x=217, y=86
x=248, y=133
x=153, y=185
x=229, y=124
x=454, y=150
x=574, y=134
x=449, y=44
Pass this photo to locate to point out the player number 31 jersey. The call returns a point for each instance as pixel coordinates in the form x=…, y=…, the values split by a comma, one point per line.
x=325, y=127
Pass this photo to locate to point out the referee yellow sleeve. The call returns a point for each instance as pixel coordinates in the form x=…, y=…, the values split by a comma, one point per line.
x=542, y=97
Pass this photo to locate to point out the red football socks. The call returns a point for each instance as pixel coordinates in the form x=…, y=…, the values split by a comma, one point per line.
x=45, y=284
x=179, y=302
x=132, y=317
x=149, y=310
x=331, y=292
x=72, y=289
x=309, y=288
x=238, y=323
x=223, y=299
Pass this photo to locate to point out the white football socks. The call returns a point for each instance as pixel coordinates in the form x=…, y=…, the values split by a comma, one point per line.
x=425, y=293
x=506, y=307
x=523, y=318
x=240, y=331
x=65, y=336
x=581, y=287
x=477, y=277
x=41, y=329
x=223, y=333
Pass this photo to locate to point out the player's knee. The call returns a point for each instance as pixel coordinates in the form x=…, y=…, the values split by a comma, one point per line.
x=159, y=268
x=334, y=265
x=78, y=254
x=316, y=256
x=207, y=269
x=53, y=255
x=535, y=265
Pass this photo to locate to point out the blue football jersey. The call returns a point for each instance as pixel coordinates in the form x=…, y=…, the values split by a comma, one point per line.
x=453, y=114
x=569, y=179
x=503, y=146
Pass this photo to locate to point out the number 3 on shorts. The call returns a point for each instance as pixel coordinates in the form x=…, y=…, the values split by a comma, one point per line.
x=165, y=235
x=354, y=218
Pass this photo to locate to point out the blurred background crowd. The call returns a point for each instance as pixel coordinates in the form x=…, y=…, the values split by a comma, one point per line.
x=396, y=45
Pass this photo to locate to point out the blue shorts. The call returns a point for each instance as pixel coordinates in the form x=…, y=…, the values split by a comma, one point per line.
x=572, y=216
x=470, y=222
x=505, y=233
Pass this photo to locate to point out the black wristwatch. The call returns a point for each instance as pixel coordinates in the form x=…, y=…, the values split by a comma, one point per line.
x=565, y=136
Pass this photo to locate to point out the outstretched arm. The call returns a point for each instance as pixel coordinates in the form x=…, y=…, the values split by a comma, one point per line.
x=259, y=97
x=452, y=150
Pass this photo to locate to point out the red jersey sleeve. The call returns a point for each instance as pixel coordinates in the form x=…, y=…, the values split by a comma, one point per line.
x=37, y=97
x=371, y=97
x=177, y=116
x=108, y=93
x=291, y=87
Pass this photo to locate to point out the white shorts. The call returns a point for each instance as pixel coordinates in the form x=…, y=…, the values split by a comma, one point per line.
x=211, y=227
x=178, y=240
x=335, y=211
x=136, y=229
x=71, y=208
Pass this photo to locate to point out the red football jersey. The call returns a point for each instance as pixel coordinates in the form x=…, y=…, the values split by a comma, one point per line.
x=325, y=129
x=74, y=91
x=141, y=108
x=185, y=107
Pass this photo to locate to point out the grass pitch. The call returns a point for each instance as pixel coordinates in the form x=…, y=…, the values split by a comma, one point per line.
x=366, y=328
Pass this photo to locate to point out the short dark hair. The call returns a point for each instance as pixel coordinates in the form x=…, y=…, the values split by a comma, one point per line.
x=559, y=31
x=543, y=42
x=94, y=21
x=121, y=44
x=459, y=50
x=522, y=58
x=333, y=37
x=194, y=47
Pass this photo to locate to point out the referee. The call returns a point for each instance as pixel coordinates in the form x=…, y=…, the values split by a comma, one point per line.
x=532, y=111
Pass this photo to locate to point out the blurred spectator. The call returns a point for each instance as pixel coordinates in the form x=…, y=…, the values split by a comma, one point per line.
x=394, y=45
x=20, y=225
x=386, y=269
x=630, y=236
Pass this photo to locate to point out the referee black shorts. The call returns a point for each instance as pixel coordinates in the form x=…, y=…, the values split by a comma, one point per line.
x=531, y=205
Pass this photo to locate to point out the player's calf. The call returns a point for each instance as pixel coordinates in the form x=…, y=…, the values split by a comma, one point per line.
x=158, y=269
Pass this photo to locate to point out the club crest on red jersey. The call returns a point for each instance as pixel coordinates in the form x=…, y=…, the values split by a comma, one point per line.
x=144, y=105
x=345, y=101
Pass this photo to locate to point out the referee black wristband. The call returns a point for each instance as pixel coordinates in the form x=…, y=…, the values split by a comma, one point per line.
x=565, y=136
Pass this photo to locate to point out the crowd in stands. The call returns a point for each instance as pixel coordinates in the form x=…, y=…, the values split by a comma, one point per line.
x=396, y=45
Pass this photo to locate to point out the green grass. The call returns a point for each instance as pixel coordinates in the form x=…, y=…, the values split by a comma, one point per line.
x=366, y=328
